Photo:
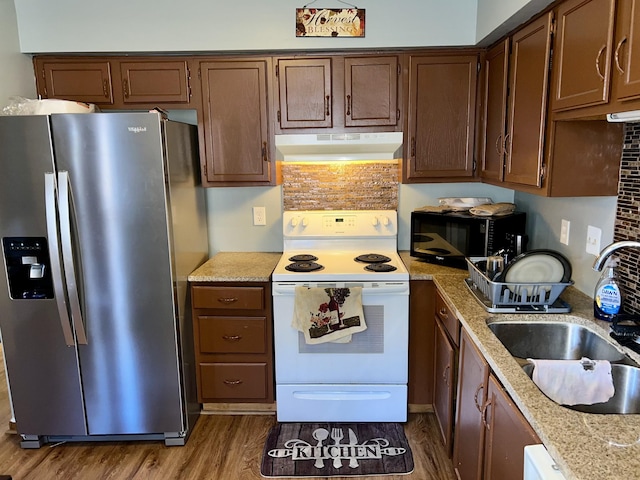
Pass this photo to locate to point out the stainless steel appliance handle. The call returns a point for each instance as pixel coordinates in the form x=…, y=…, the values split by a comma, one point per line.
x=54, y=256
x=64, y=204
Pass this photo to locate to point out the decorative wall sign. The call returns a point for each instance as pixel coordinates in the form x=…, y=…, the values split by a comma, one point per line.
x=329, y=22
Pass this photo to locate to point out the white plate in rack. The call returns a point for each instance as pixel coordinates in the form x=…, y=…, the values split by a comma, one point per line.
x=538, y=266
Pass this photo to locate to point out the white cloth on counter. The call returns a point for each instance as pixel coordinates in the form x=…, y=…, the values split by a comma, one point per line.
x=568, y=382
x=328, y=314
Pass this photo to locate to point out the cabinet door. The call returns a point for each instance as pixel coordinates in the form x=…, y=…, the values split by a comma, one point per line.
x=421, y=333
x=236, y=121
x=442, y=99
x=444, y=385
x=468, y=444
x=371, y=91
x=155, y=82
x=507, y=433
x=529, y=79
x=582, y=53
x=79, y=81
x=496, y=75
x=305, y=92
x=627, y=54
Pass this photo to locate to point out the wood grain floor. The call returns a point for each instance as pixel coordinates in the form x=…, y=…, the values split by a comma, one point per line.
x=221, y=447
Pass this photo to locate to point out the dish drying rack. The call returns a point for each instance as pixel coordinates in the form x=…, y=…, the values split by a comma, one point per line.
x=498, y=297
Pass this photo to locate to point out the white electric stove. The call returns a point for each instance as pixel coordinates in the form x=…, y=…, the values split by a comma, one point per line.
x=366, y=378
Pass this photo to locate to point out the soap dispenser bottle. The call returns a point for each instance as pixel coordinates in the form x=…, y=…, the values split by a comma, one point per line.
x=607, y=300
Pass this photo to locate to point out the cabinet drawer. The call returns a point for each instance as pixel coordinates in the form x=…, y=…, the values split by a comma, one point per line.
x=231, y=298
x=232, y=334
x=233, y=380
x=448, y=319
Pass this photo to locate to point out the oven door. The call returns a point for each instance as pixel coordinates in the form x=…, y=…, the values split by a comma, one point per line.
x=363, y=380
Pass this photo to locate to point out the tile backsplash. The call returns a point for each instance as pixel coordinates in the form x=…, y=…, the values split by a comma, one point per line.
x=627, y=226
x=340, y=185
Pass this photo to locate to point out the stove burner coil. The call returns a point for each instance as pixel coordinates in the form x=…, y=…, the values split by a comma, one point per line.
x=304, y=267
x=380, y=267
x=303, y=257
x=373, y=258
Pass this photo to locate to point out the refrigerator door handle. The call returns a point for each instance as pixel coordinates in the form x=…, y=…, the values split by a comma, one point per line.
x=54, y=256
x=64, y=206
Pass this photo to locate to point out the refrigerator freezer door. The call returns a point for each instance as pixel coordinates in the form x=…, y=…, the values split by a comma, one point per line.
x=43, y=371
x=122, y=259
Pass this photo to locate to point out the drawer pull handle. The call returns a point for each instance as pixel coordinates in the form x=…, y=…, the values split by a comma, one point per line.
x=232, y=382
x=232, y=338
x=443, y=311
x=445, y=378
x=617, y=55
x=227, y=300
x=602, y=49
x=475, y=397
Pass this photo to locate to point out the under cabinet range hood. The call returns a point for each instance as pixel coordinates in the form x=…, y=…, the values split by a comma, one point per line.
x=631, y=116
x=339, y=146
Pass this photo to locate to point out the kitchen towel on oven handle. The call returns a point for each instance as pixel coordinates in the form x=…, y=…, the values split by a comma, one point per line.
x=328, y=314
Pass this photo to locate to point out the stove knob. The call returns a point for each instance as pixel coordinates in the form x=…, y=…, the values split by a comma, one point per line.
x=385, y=221
x=305, y=221
x=374, y=221
x=294, y=221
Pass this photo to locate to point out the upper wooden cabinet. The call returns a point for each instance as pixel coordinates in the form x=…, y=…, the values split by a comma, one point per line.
x=115, y=82
x=627, y=52
x=371, y=91
x=337, y=92
x=78, y=80
x=439, y=140
x=305, y=93
x=596, y=66
x=163, y=82
x=496, y=76
x=582, y=53
x=236, y=121
x=529, y=80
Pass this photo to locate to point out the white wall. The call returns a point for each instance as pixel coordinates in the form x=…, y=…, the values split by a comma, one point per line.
x=16, y=70
x=210, y=25
x=496, y=18
x=544, y=220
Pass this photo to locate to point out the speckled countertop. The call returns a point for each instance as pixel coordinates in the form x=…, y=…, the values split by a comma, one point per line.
x=237, y=267
x=585, y=446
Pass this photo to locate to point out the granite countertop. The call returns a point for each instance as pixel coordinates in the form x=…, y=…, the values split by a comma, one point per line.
x=237, y=267
x=585, y=446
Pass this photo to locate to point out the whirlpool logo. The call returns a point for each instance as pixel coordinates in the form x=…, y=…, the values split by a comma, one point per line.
x=137, y=129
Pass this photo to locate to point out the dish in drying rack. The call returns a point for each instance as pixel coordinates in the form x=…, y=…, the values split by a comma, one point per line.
x=537, y=266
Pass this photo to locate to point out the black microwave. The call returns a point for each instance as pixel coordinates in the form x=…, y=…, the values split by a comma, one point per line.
x=447, y=238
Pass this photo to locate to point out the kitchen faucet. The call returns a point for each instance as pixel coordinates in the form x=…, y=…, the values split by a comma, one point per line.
x=609, y=249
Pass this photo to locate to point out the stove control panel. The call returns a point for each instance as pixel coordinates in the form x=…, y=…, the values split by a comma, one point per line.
x=321, y=223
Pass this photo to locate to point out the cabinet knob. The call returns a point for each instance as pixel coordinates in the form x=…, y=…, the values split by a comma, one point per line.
x=105, y=89
x=602, y=49
x=349, y=105
x=326, y=105
x=227, y=300
x=232, y=382
x=265, y=157
x=232, y=338
x=475, y=397
x=125, y=88
x=617, y=54
x=443, y=312
x=484, y=414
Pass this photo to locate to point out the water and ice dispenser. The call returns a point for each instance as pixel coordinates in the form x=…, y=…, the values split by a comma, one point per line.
x=28, y=267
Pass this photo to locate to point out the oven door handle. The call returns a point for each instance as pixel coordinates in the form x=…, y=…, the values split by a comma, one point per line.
x=390, y=288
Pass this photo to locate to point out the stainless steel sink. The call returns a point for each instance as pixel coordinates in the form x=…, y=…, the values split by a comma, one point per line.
x=570, y=341
x=555, y=341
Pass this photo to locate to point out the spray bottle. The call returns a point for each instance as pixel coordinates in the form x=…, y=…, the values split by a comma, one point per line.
x=607, y=300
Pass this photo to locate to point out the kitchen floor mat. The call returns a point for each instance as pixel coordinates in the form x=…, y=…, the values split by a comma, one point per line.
x=295, y=450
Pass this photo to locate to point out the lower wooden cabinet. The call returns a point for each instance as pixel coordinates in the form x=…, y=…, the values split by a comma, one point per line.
x=233, y=342
x=421, y=339
x=490, y=432
x=446, y=369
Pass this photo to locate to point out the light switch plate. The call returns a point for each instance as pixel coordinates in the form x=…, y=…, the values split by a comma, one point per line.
x=564, y=232
x=594, y=235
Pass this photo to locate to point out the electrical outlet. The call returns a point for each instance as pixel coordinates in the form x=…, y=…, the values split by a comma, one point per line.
x=593, y=240
x=259, y=216
x=564, y=232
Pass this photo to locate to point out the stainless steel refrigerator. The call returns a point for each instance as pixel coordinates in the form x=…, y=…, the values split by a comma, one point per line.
x=101, y=221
